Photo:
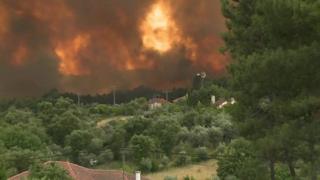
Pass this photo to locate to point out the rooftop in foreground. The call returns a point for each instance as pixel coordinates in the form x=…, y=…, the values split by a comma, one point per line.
x=81, y=173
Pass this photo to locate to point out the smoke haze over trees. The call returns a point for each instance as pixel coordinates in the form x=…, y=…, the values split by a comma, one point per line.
x=90, y=47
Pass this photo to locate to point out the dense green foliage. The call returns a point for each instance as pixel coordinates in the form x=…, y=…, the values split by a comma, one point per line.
x=50, y=171
x=271, y=132
x=275, y=45
x=57, y=128
x=238, y=159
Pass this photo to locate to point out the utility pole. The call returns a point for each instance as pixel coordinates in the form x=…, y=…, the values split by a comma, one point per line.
x=78, y=96
x=123, y=154
x=123, y=162
x=123, y=158
x=114, y=95
x=167, y=95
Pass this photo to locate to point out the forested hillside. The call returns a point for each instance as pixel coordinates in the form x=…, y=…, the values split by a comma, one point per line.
x=56, y=128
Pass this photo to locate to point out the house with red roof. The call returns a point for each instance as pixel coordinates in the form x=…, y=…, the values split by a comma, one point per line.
x=81, y=173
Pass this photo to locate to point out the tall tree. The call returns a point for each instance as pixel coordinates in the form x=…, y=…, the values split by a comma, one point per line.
x=275, y=48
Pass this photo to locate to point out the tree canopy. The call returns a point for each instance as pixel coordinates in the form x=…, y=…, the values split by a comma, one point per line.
x=275, y=78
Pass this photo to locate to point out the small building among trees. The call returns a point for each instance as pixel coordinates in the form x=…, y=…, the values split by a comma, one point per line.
x=157, y=102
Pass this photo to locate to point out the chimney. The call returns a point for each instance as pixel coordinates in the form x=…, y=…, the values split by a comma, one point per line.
x=213, y=99
x=138, y=175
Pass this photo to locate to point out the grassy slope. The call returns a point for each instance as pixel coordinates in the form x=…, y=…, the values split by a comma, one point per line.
x=200, y=171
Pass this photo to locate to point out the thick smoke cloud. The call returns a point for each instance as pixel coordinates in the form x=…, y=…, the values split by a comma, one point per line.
x=91, y=46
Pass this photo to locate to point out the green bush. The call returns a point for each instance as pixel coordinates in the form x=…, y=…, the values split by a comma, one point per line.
x=214, y=177
x=231, y=177
x=105, y=156
x=145, y=164
x=95, y=146
x=164, y=161
x=282, y=172
x=215, y=135
x=188, y=178
x=50, y=171
x=182, y=158
x=201, y=154
x=142, y=147
x=238, y=159
x=170, y=178
x=87, y=159
x=3, y=173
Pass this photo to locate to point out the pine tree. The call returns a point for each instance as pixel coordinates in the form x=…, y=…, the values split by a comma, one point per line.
x=275, y=77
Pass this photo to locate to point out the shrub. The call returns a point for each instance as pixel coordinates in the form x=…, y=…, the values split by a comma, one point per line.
x=199, y=136
x=50, y=171
x=214, y=177
x=170, y=178
x=164, y=161
x=231, y=177
x=182, y=158
x=146, y=164
x=238, y=160
x=282, y=172
x=142, y=146
x=215, y=135
x=105, y=156
x=188, y=178
x=201, y=154
x=87, y=160
x=95, y=145
x=3, y=173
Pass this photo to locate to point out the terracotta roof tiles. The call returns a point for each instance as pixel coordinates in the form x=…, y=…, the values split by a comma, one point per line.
x=81, y=173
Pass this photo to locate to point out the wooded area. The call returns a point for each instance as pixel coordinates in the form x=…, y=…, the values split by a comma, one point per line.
x=271, y=132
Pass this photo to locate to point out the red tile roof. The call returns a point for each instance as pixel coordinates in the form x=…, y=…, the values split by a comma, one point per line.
x=81, y=173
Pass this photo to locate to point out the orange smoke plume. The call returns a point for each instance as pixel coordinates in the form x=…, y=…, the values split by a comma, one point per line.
x=67, y=53
x=159, y=30
x=89, y=47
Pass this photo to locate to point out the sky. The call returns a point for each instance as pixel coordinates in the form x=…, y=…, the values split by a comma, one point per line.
x=93, y=46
